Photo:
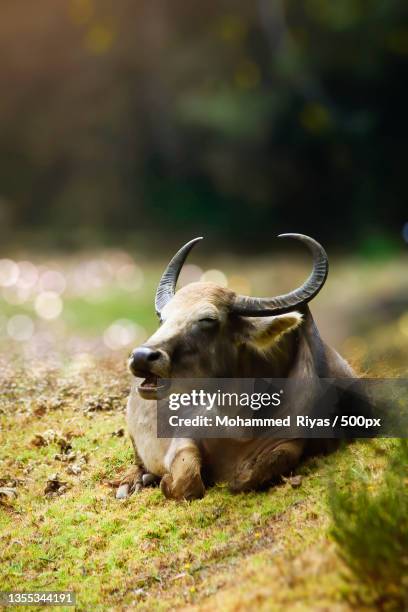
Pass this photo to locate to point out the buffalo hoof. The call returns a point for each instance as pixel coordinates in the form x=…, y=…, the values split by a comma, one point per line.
x=130, y=482
x=149, y=480
x=192, y=488
x=133, y=482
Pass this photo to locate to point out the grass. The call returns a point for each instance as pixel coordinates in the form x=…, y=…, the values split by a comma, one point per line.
x=146, y=551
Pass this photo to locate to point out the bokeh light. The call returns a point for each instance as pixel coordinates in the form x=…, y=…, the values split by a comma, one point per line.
x=9, y=272
x=215, y=276
x=189, y=274
x=20, y=328
x=129, y=277
x=15, y=295
x=239, y=284
x=48, y=305
x=82, y=310
x=90, y=279
x=53, y=281
x=122, y=334
x=28, y=275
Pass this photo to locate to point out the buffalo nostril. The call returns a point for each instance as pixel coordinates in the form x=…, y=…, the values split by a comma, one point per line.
x=143, y=356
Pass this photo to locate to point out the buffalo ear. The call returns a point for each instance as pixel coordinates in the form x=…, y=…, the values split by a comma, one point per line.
x=265, y=331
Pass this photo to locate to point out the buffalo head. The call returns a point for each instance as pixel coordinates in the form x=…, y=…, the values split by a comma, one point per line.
x=208, y=331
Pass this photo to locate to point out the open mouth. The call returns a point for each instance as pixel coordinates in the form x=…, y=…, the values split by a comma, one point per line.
x=149, y=383
x=150, y=387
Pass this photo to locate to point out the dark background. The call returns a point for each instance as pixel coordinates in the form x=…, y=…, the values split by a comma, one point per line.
x=130, y=122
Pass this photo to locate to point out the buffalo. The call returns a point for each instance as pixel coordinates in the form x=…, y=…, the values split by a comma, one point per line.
x=208, y=331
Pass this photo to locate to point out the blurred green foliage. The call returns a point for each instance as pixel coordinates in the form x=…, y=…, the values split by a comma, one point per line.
x=84, y=317
x=371, y=530
x=126, y=121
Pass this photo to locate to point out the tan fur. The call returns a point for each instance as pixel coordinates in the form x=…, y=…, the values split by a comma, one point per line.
x=184, y=479
x=261, y=466
x=198, y=296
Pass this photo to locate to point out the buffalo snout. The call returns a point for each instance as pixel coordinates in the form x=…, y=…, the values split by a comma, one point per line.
x=142, y=358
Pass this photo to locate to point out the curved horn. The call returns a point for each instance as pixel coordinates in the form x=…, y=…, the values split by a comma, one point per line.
x=168, y=281
x=262, y=307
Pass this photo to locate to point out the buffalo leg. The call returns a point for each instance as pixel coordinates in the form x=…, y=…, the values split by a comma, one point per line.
x=261, y=466
x=132, y=480
x=183, y=480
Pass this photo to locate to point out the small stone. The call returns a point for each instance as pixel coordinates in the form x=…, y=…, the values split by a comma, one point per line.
x=74, y=469
x=8, y=493
x=122, y=492
x=295, y=481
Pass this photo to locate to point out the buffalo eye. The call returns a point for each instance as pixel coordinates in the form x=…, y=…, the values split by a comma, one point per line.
x=208, y=322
